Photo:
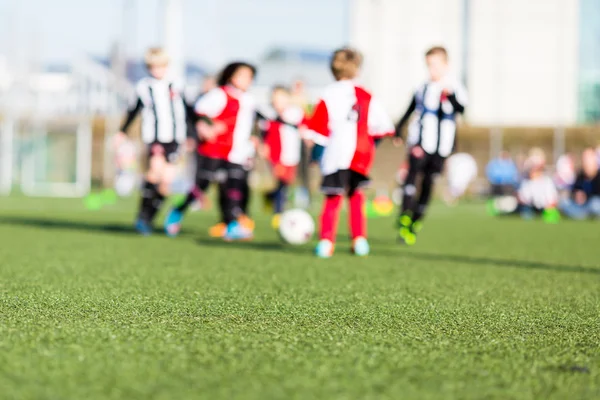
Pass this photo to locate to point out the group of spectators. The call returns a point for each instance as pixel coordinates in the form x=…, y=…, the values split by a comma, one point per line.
x=573, y=189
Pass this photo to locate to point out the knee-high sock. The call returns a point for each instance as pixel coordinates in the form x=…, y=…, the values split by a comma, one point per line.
x=234, y=194
x=279, y=197
x=194, y=194
x=223, y=203
x=245, y=197
x=358, y=220
x=424, y=197
x=330, y=217
x=150, y=202
x=410, y=190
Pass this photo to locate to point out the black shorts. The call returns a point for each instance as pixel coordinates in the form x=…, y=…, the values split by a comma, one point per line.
x=431, y=164
x=169, y=150
x=217, y=170
x=344, y=181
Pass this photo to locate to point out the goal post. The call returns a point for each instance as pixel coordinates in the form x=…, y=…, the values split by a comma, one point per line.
x=58, y=162
x=7, y=133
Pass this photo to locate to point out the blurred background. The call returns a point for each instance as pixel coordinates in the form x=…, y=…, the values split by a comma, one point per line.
x=68, y=68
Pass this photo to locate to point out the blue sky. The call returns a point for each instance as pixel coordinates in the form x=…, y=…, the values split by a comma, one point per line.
x=216, y=30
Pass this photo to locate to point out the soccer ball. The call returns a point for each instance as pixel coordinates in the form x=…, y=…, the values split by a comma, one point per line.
x=296, y=227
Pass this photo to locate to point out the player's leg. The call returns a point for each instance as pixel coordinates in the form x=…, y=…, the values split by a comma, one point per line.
x=329, y=223
x=416, y=163
x=204, y=171
x=245, y=218
x=358, y=223
x=234, y=199
x=432, y=168
x=152, y=197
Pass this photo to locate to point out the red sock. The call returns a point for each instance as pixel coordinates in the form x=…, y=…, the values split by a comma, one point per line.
x=358, y=221
x=330, y=217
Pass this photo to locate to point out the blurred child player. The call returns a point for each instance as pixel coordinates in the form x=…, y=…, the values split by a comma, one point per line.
x=282, y=146
x=226, y=120
x=346, y=121
x=431, y=138
x=163, y=130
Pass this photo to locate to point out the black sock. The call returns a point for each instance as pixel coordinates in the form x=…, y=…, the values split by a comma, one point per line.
x=150, y=202
x=189, y=200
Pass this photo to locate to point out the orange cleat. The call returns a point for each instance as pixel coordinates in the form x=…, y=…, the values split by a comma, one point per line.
x=218, y=230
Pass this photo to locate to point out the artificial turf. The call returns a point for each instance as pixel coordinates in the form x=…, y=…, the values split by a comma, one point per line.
x=480, y=308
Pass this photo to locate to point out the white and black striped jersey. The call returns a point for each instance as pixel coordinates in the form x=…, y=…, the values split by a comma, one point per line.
x=163, y=111
x=435, y=105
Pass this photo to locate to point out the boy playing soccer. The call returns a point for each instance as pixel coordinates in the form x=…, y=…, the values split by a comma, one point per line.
x=431, y=138
x=226, y=119
x=282, y=145
x=346, y=121
x=163, y=130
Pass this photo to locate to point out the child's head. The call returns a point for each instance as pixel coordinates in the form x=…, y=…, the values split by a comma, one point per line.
x=536, y=162
x=280, y=98
x=437, y=62
x=345, y=64
x=238, y=74
x=589, y=163
x=157, y=62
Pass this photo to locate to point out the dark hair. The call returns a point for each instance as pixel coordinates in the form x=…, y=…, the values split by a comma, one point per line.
x=229, y=71
x=437, y=50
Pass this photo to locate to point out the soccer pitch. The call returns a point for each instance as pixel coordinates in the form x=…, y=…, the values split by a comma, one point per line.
x=479, y=308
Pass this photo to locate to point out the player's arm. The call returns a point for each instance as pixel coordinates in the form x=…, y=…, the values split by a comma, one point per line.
x=207, y=108
x=133, y=111
x=316, y=127
x=409, y=111
x=458, y=98
x=379, y=122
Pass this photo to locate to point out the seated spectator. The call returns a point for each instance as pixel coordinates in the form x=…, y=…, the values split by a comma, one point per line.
x=503, y=175
x=565, y=174
x=537, y=193
x=584, y=201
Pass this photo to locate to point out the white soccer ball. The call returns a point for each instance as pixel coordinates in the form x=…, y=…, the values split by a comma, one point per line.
x=296, y=227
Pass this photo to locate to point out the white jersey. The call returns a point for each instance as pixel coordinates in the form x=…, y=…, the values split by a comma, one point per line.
x=163, y=111
x=434, y=128
x=346, y=121
x=539, y=193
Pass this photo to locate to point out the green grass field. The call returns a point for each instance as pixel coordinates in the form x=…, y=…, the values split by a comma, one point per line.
x=480, y=308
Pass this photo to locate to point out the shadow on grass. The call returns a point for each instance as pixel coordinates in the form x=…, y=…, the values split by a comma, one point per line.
x=496, y=262
x=61, y=224
x=274, y=246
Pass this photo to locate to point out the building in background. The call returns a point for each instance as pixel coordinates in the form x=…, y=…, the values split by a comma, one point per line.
x=534, y=62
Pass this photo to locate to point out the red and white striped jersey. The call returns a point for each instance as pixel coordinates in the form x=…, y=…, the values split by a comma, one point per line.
x=236, y=110
x=346, y=121
x=283, y=138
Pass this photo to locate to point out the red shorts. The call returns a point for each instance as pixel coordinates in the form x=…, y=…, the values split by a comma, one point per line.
x=284, y=173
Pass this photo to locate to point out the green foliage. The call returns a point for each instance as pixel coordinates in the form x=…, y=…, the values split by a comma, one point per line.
x=479, y=308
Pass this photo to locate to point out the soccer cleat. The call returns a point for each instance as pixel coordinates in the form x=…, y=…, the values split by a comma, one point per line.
x=218, y=230
x=324, y=249
x=247, y=222
x=143, y=227
x=361, y=247
x=236, y=231
x=173, y=222
x=275, y=221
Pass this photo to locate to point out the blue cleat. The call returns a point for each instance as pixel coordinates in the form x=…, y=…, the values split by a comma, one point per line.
x=173, y=223
x=361, y=247
x=236, y=231
x=143, y=227
x=324, y=249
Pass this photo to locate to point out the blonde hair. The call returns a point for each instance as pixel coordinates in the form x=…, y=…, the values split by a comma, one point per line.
x=156, y=57
x=345, y=63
